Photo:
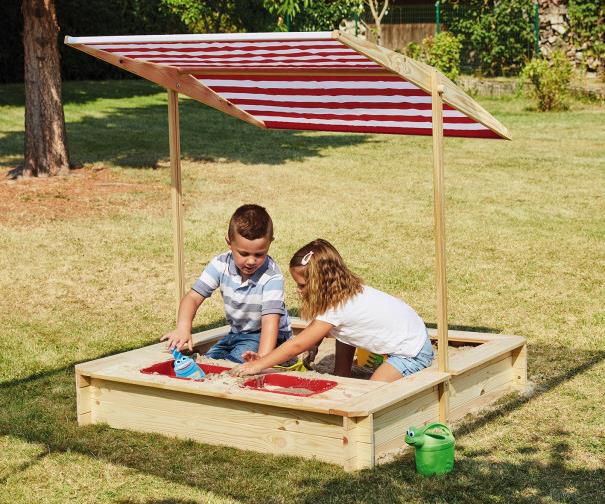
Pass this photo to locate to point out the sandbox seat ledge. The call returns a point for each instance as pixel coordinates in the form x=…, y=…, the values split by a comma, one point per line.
x=391, y=393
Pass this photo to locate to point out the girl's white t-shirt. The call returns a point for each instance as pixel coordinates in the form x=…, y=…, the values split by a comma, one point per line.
x=378, y=322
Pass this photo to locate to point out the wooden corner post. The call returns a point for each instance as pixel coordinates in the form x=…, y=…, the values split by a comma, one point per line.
x=439, y=219
x=176, y=190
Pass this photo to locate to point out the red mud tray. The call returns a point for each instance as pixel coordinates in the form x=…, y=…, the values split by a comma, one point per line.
x=277, y=383
x=166, y=369
x=280, y=383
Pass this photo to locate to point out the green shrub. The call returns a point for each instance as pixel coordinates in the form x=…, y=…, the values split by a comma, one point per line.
x=413, y=50
x=548, y=81
x=497, y=35
x=441, y=51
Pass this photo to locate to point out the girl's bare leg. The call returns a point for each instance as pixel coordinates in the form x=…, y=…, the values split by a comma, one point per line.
x=386, y=373
x=343, y=359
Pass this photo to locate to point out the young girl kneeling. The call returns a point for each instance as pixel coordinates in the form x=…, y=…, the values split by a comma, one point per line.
x=338, y=303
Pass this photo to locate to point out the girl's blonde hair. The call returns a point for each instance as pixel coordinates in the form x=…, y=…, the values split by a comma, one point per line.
x=329, y=282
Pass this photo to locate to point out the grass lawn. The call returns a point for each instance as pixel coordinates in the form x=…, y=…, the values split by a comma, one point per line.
x=86, y=270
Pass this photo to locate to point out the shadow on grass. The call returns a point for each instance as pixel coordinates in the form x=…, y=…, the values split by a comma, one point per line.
x=125, y=135
x=83, y=92
x=42, y=409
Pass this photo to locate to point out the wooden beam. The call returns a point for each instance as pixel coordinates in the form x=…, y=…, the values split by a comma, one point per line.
x=84, y=399
x=358, y=443
x=170, y=78
x=519, y=357
x=420, y=74
x=390, y=393
x=177, y=193
x=439, y=218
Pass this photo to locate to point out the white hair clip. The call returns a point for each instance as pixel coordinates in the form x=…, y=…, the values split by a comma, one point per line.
x=305, y=260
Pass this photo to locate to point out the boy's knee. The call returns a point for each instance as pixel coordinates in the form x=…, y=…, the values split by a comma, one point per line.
x=216, y=354
x=234, y=358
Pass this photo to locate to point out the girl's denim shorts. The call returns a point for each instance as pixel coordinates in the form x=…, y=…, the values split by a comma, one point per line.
x=410, y=365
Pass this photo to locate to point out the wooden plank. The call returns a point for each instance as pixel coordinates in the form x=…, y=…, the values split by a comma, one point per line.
x=325, y=402
x=84, y=399
x=390, y=440
x=219, y=422
x=222, y=410
x=358, y=443
x=148, y=355
x=420, y=74
x=392, y=422
x=443, y=393
x=474, y=357
x=469, y=336
x=439, y=222
x=439, y=225
x=170, y=78
x=466, y=388
x=176, y=191
x=391, y=393
x=477, y=404
x=519, y=358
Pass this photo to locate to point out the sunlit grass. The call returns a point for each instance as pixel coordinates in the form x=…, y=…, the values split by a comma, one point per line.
x=525, y=251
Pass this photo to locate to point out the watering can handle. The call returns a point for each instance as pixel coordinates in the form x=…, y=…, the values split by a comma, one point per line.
x=437, y=425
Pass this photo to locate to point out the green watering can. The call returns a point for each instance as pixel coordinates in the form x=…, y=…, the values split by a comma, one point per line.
x=434, y=445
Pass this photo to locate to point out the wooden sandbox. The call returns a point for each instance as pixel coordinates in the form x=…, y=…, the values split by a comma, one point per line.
x=356, y=424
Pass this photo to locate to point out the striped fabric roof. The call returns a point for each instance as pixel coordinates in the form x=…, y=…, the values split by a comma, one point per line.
x=305, y=81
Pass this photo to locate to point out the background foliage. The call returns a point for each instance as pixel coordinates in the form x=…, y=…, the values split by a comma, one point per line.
x=316, y=15
x=219, y=16
x=83, y=18
x=549, y=81
x=497, y=36
x=587, y=27
x=441, y=51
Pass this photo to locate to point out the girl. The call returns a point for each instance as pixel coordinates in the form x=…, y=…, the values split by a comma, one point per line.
x=338, y=303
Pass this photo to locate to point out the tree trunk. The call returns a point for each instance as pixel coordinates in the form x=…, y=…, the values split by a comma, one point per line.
x=45, y=139
x=374, y=8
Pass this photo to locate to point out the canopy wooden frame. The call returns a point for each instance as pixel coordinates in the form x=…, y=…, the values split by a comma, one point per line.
x=179, y=80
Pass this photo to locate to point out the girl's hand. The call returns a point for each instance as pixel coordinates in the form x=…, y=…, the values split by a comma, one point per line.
x=250, y=356
x=249, y=368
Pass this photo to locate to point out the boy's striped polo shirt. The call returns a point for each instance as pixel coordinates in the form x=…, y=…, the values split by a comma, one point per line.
x=245, y=302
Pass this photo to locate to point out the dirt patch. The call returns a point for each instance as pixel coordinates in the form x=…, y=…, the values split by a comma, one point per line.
x=85, y=192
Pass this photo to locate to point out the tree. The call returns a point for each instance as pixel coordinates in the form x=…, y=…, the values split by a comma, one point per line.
x=378, y=13
x=221, y=16
x=312, y=15
x=45, y=138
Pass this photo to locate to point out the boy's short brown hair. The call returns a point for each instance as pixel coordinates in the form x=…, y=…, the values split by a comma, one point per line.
x=252, y=222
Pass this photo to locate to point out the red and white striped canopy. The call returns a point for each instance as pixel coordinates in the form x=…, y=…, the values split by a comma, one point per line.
x=323, y=81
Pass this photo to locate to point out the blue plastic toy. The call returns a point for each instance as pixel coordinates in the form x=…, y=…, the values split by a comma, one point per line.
x=186, y=367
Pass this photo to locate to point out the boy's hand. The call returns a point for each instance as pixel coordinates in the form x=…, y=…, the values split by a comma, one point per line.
x=249, y=368
x=250, y=356
x=178, y=339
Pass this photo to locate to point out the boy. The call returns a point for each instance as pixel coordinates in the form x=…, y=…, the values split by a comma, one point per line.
x=252, y=287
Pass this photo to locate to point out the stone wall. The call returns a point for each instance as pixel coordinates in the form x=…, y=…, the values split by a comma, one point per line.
x=555, y=34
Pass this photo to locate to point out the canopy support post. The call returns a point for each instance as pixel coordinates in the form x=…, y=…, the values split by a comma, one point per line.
x=439, y=222
x=176, y=191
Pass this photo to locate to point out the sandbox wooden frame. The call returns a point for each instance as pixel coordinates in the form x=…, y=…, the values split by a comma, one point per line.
x=368, y=427
x=360, y=431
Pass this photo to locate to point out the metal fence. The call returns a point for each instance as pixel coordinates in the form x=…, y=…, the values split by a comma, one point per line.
x=403, y=24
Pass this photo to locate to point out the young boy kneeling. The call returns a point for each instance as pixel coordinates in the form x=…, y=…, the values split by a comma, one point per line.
x=252, y=287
